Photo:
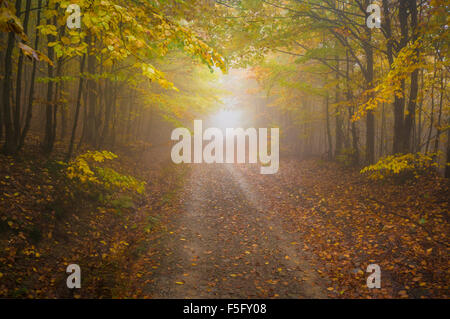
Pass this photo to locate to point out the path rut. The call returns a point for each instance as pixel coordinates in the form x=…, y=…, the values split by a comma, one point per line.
x=225, y=244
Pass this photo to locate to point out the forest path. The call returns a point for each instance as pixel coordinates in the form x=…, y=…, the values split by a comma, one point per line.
x=225, y=244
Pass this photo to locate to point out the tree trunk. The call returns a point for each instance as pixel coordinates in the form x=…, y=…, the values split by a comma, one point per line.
x=17, y=110
x=447, y=166
x=58, y=90
x=419, y=126
x=354, y=132
x=48, y=138
x=2, y=71
x=399, y=102
x=330, y=141
x=414, y=86
x=10, y=146
x=107, y=120
x=338, y=129
x=90, y=137
x=29, y=113
x=430, y=129
x=370, y=118
x=438, y=126
x=383, y=130
x=77, y=109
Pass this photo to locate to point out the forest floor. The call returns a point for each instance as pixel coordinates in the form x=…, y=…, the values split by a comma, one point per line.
x=224, y=231
x=224, y=243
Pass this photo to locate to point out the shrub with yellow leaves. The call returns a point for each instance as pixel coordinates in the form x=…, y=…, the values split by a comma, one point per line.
x=83, y=170
x=401, y=165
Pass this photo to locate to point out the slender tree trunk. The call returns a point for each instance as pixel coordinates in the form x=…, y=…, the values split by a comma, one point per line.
x=114, y=118
x=63, y=111
x=29, y=113
x=107, y=120
x=130, y=112
x=338, y=128
x=90, y=137
x=2, y=71
x=10, y=146
x=370, y=118
x=330, y=140
x=77, y=109
x=58, y=90
x=419, y=125
x=447, y=166
x=48, y=138
x=430, y=129
x=382, y=130
x=399, y=102
x=17, y=110
x=352, y=124
x=414, y=86
x=438, y=126
x=399, y=132
x=85, y=102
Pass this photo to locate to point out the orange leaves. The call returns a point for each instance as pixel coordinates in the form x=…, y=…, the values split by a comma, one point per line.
x=343, y=31
x=34, y=54
x=348, y=230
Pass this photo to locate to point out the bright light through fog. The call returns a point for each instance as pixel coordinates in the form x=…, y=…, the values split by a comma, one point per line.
x=227, y=118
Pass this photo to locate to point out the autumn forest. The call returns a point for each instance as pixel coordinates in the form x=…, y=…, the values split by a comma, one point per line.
x=355, y=98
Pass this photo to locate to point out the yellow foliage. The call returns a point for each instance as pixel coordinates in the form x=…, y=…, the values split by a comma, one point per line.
x=80, y=170
x=396, y=164
x=407, y=61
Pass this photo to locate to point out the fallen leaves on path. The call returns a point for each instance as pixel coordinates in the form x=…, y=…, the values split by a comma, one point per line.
x=209, y=231
x=347, y=222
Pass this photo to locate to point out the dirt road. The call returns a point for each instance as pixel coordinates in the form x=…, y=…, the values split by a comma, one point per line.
x=223, y=243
